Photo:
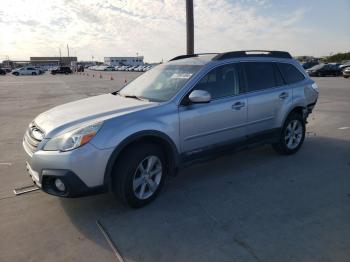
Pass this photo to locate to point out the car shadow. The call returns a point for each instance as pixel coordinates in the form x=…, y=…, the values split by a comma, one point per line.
x=244, y=206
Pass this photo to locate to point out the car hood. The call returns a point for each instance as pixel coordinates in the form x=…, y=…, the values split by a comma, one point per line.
x=97, y=108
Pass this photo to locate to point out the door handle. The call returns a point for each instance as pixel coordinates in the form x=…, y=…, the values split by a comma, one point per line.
x=283, y=95
x=238, y=105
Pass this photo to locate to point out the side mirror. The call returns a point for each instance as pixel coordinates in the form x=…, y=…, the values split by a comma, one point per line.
x=199, y=96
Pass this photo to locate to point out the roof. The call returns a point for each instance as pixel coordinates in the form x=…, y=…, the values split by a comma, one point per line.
x=204, y=58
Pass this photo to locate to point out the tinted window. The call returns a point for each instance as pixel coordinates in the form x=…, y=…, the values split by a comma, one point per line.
x=220, y=82
x=261, y=75
x=290, y=73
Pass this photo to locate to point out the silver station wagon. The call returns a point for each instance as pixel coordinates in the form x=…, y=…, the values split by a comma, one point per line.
x=191, y=108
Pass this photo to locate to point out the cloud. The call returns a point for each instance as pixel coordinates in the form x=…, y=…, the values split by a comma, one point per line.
x=153, y=28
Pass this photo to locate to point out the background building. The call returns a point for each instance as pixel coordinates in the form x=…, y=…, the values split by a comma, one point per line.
x=53, y=61
x=130, y=61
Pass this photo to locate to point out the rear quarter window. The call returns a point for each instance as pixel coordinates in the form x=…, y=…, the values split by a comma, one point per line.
x=261, y=75
x=290, y=73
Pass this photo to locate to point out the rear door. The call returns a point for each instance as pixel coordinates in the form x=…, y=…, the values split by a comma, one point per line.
x=267, y=95
x=222, y=120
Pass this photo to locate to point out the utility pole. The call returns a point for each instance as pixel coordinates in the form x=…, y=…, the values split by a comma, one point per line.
x=60, y=55
x=68, y=50
x=189, y=27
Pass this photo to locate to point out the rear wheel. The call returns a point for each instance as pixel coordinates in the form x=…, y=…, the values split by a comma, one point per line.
x=139, y=174
x=33, y=73
x=292, y=135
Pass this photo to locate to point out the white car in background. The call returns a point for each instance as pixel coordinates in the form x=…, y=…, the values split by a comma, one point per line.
x=109, y=68
x=26, y=71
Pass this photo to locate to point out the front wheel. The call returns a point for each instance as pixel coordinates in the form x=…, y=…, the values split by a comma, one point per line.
x=139, y=174
x=291, y=136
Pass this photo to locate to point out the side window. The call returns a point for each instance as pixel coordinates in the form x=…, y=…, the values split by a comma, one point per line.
x=290, y=73
x=261, y=75
x=220, y=82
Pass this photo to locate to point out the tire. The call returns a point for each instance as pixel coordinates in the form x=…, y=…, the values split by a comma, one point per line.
x=16, y=74
x=345, y=76
x=290, y=141
x=128, y=182
x=33, y=74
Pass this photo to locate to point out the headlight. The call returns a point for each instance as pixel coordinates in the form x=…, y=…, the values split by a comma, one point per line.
x=315, y=87
x=73, y=139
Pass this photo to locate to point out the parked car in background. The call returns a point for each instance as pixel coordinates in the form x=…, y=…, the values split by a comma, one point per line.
x=80, y=68
x=7, y=69
x=41, y=70
x=62, y=70
x=26, y=71
x=324, y=70
x=2, y=71
x=346, y=72
x=188, y=109
x=309, y=64
x=147, y=68
x=344, y=66
x=109, y=68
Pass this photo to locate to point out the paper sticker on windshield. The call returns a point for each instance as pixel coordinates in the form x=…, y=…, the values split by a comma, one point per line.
x=182, y=75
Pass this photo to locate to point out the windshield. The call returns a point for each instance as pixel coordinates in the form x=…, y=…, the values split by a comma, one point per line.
x=160, y=83
x=317, y=67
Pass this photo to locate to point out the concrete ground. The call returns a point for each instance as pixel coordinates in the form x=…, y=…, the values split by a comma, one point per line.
x=251, y=206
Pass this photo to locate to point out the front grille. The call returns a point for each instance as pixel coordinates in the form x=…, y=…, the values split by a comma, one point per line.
x=33, y=136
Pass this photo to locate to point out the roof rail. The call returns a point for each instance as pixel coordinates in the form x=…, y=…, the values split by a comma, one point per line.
x=193, y=55
x=252, y=53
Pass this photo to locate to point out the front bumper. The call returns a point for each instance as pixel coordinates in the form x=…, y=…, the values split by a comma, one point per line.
x=81, y=170
x=74, y=186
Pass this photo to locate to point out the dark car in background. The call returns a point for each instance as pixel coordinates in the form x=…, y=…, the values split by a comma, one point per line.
x=2, y=71
x=324, y=70
x=309, y=64
x=62, y=70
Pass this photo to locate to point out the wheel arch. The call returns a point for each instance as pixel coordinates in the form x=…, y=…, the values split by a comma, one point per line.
x=153, y=136
x=300, y=109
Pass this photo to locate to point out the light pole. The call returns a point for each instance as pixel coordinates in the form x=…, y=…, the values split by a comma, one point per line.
x=189, y=27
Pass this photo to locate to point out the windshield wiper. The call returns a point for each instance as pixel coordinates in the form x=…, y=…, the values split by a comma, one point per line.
x=133, y=96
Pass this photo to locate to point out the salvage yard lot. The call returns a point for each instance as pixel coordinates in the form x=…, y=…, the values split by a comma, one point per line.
x=250, y=206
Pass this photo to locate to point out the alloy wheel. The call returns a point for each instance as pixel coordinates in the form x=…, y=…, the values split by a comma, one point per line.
x=293, y=134
x=147, y=177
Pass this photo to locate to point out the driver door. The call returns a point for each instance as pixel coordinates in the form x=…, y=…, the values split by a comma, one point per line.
x=222, y=120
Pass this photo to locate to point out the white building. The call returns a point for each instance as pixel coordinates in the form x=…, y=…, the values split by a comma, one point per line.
x=130, y=61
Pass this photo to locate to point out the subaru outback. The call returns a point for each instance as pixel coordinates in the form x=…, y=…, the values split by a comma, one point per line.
x=191, y=108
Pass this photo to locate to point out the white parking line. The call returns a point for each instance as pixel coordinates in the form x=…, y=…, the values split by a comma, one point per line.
x=6, y=164
x=344, y=127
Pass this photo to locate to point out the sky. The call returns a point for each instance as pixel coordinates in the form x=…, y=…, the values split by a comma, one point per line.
x=156, y=29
